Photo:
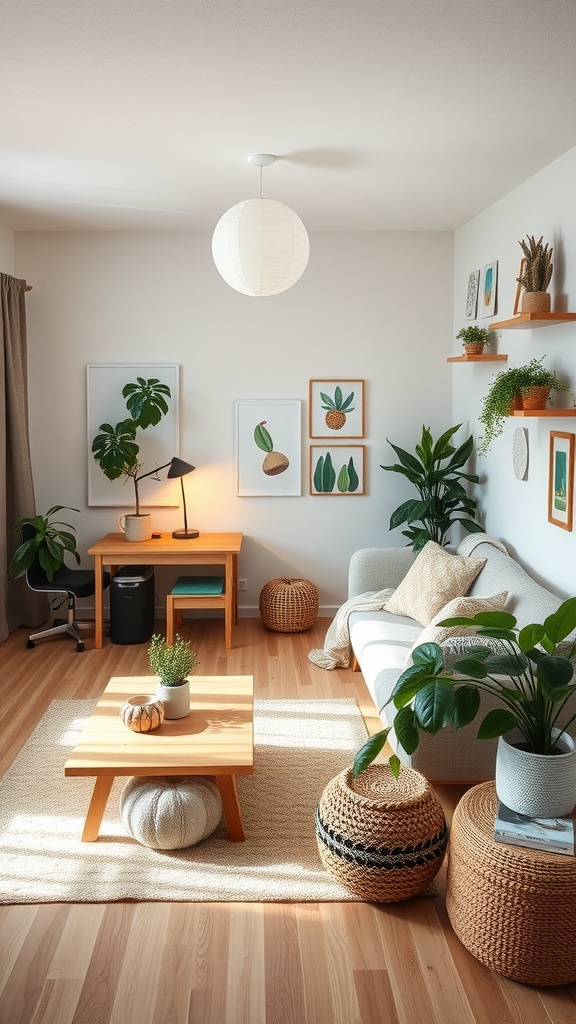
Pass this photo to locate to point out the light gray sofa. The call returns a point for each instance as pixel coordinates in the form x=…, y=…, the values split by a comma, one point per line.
x=381, y=643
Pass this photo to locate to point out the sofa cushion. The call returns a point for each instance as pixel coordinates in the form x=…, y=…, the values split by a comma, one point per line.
x=435, y=578
x=435, y=634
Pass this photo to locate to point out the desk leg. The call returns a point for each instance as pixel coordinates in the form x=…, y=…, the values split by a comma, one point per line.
x=232, y=813
x=100, y=795
x=229, y=601
x=98, y=602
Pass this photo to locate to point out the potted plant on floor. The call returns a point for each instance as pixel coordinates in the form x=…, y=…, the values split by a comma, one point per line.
x=49, y=543
x=172, y=665
x=474, y=339
x=515, y=388
x=530, y=673
x=117, y=452
x=436, y=472
x=535, y=275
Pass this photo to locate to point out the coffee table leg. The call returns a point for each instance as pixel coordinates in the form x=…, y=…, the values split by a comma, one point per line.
x=100, y=795
x=232, y=813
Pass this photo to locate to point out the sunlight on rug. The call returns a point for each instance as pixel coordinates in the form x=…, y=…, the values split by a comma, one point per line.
x=299, y=747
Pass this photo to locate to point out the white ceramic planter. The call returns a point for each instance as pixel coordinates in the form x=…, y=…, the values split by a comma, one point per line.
x=176, y=699
x=136, y=527
x=539, y=785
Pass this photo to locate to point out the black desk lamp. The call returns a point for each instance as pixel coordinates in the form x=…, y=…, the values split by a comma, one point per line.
x=180, y=469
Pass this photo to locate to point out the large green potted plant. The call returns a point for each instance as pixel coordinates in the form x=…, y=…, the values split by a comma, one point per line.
x=512, y=388
x=115, y=448
x=474, y=339
x=529, y=672
x=172, y=665
x=436, y=472
x=535, y=275
x=48, y=542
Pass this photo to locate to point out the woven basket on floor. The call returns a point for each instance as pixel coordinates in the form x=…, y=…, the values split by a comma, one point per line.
x=512, y=907
x=380, y=837
x=289, y=605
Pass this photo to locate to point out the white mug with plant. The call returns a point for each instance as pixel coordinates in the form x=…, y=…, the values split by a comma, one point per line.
x=172, y=665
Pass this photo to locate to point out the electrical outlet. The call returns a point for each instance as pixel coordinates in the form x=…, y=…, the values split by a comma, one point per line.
x=242, y=584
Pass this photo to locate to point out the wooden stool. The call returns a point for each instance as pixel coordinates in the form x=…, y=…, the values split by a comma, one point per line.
x=192, y=592
x=512, y=907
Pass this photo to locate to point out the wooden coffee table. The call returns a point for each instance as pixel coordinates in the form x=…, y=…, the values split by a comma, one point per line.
x=216, y=738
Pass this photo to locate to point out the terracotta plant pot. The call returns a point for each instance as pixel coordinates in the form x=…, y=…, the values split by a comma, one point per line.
x=536, y=302
x=516, y=402
x=535, y=398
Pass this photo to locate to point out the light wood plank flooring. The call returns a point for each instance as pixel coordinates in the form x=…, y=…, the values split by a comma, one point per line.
x=230, y=963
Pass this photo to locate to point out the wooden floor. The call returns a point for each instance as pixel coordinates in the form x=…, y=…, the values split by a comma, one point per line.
x=130, y=963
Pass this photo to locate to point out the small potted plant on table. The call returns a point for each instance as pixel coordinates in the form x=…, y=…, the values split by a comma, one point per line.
x=474, y=339
x=172, y=665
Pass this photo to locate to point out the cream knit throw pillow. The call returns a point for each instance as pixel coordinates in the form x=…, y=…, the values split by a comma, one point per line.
x=435, y=634
x=435, y=578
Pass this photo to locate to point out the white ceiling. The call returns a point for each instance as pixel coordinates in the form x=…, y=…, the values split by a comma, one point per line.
x=140, y=114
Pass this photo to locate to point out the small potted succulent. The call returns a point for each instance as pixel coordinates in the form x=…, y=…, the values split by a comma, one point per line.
x=474, y=339
x=172, y=665
x=535, y=275
x=517, y=387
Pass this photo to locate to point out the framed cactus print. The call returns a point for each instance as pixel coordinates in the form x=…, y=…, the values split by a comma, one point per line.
x=268, y=447
x=337, y=469
x=336, y=408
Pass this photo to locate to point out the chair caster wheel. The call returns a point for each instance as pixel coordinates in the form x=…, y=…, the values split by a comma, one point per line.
x=30, y=643
x=81, y=646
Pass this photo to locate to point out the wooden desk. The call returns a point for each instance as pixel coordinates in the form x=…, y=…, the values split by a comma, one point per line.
x=207, y=549
x=216, y=738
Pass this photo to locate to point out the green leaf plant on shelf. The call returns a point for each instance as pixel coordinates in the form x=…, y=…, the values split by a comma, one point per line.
x=474, y=338
x=535, y=275
x=513, y=388
x=524, y=669
x=436, y=473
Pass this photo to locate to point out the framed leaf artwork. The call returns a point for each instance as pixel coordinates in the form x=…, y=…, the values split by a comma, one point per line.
x=337, y=469
x=336, y=408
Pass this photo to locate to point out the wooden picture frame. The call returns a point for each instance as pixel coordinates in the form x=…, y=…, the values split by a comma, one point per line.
x=337, y=470
x=336, y=408
x=561, y=479
x=517, y=301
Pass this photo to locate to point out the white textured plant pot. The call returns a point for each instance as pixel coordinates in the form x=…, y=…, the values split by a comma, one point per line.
x=176, y=699
x=136, y=527
x=538, y=785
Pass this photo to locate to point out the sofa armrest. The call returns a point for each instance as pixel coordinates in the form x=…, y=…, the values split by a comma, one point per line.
x=374, y=569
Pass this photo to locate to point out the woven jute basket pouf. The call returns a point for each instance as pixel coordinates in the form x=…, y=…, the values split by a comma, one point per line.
x=512, y=907
x=382, y=838
x=289, y=604
x=170, y=813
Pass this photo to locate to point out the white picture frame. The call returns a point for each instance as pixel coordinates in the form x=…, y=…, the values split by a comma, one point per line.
x=158, y=445
x=282, y=423
x=490, y=288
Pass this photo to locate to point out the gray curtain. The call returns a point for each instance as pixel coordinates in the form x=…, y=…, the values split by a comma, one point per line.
x=19, y=606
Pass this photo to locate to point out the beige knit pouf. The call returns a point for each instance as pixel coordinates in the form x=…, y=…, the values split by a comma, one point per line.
x=380, y=837
x=170, y=813
x=289, y=604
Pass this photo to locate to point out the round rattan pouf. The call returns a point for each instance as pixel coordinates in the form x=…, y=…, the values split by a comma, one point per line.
x=512, y=907
x=382, y=838
x=289, y=605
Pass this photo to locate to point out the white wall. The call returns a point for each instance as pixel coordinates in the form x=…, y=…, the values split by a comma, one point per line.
x=370, y=305
x=516, y=511
x=6, y=250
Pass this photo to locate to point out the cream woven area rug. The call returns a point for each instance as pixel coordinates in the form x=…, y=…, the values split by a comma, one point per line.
x=300, y=746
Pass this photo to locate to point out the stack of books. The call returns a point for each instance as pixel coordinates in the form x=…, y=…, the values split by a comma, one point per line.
x=553, y=835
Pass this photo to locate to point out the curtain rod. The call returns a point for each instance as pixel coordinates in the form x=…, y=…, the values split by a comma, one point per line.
x=27, y=287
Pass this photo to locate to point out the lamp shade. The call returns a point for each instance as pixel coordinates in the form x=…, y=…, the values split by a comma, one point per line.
x=260, y=247
x=179, y=468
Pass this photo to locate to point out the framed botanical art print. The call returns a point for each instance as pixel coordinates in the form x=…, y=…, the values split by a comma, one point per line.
x=336, y=408
x=268, y=447
x=561, y=479
x=337, y=469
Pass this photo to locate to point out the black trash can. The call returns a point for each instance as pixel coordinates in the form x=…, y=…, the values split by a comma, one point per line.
x=132, y=604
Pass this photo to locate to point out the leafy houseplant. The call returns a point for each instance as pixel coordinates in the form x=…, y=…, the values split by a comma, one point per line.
x=115, y=448
x=49, y=543
x=474, y=338
x=171, y=664
x=436, y=473
x=515, y=380
x=524, y=670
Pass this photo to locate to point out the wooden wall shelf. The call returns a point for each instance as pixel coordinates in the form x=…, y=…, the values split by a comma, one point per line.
x=544, y=412
x=530, y=321
x=477, y=359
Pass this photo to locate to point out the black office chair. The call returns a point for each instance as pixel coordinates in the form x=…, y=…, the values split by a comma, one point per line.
x=73, y=583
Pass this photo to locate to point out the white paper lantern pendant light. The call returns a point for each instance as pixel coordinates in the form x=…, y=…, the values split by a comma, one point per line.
x=260, y=246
